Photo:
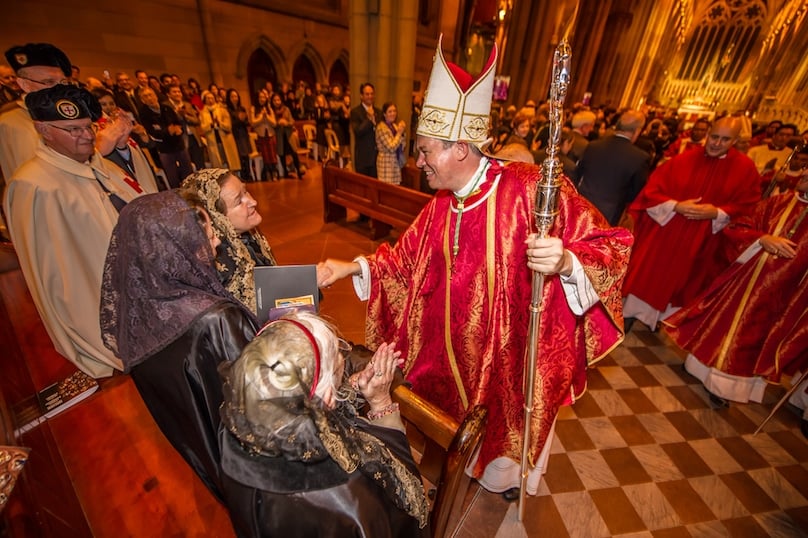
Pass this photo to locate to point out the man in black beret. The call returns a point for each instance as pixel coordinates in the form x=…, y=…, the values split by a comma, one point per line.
x=61, y=207
x=61, y=111
x=37, y=66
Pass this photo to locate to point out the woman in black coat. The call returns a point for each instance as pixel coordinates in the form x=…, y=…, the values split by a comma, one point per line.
x=166, y=315
x=240, y=123
x=297, y=458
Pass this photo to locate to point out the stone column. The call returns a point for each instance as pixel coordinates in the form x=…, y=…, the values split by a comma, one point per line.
x=656, y=35
x=383, y=37
x=205, y=25
x=586, y=42
x=528, y=57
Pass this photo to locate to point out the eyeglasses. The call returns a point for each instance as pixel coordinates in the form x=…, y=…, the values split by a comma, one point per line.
x=76, y=132
x=47, y=82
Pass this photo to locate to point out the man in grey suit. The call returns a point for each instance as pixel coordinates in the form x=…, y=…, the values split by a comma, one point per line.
x=613, y=170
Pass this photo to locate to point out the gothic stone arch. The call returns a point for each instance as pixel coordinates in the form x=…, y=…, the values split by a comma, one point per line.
x=260, y=41
x=304, y=48
x=341, y=56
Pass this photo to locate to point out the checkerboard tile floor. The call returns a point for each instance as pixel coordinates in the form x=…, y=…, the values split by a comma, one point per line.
x=644, y=453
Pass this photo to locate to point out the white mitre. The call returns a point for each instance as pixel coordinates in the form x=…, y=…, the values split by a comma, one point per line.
x=457, y=106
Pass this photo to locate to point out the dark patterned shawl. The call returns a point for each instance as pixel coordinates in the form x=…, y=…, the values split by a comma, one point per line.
x=159, y=277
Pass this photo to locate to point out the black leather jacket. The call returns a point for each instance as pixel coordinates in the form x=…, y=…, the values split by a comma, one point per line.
x=270, y=497
x=183, y=391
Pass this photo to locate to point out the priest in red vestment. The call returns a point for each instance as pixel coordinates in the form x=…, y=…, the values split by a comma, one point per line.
x=750, y=326
x=678, y=215
x=454, y=291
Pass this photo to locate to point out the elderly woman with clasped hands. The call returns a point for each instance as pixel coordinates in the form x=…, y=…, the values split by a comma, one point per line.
x=298, y=459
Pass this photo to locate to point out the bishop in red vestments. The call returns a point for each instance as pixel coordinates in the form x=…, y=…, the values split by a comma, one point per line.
x=461, y=319
x=678, y=215
x=454, y=292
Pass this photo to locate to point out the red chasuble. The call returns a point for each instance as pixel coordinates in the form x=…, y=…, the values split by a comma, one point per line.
x=752, y=320
x=461, y=321
x=671, y=264
x=787, y=347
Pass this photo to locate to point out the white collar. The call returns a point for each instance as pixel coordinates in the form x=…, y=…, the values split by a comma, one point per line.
x=69, y=165
x=471, y=183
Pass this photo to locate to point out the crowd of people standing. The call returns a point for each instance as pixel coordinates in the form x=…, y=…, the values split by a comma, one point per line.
x=213, y=126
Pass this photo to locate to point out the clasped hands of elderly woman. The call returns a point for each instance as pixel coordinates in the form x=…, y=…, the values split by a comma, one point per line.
x=544, y=255
x=374, y=381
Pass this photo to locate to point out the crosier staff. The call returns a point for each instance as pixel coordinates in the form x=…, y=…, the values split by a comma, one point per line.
x=773, y=183
x=545, y=211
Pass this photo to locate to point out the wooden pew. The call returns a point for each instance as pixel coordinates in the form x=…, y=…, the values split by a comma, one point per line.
x=387, y=205
x=44, y=502
x=446, y=449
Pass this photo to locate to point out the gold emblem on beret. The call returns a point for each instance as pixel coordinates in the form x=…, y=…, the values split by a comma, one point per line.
x=21, y=58
x=67, y=109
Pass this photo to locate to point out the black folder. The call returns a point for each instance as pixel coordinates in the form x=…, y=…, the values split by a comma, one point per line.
x=281, y=288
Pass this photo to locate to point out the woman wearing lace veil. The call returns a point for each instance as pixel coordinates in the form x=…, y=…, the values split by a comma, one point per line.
x=297, y=459
x=166, y=315
x=233, y=212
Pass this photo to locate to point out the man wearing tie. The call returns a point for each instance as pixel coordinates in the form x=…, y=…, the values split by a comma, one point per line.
x=126, y=97
x=189, y=117
x=363, y=125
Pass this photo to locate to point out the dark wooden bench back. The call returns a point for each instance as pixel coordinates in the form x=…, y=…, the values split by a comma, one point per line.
x=386, y=204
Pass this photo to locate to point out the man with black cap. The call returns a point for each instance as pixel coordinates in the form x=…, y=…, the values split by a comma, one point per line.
x=61, y=207
x=38, y=66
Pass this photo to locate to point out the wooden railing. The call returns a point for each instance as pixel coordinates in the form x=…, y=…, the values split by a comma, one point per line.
x=387, y=205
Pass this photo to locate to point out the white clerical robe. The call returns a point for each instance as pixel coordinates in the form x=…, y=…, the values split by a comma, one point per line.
x=60, y=220
x=18, y=139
